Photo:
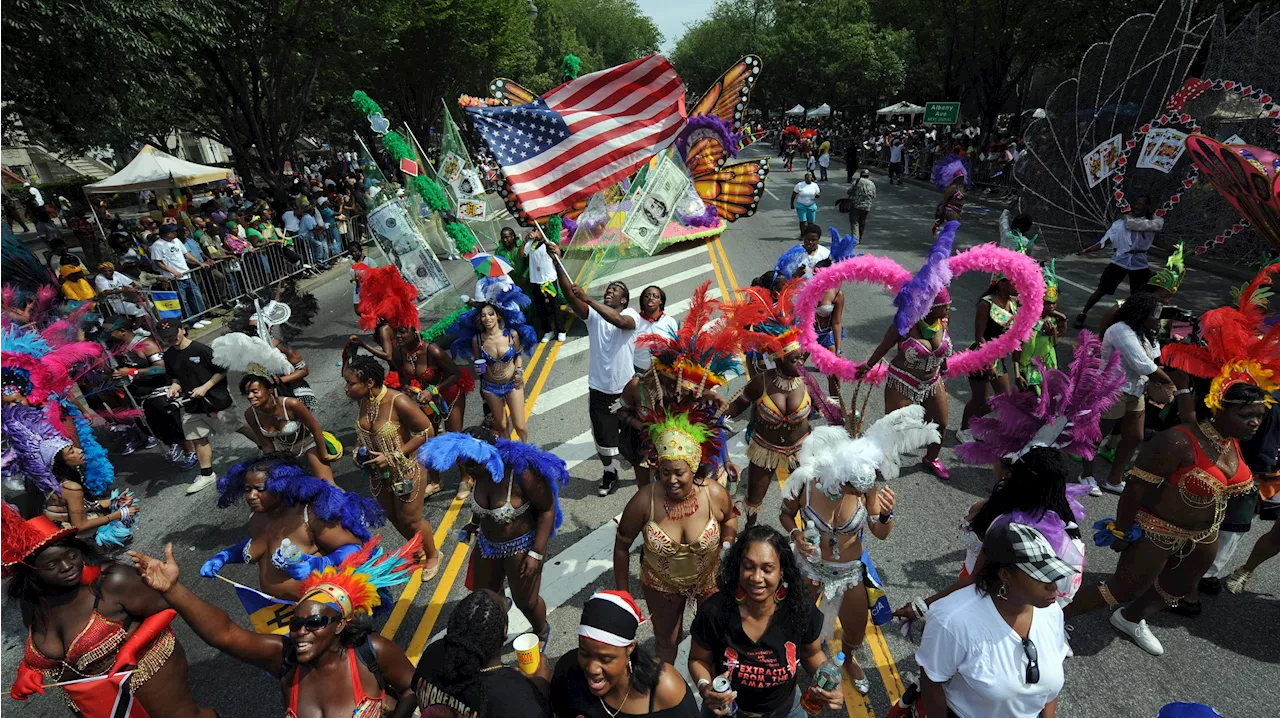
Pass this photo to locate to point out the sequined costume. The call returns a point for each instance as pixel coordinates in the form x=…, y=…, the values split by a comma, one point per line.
x=678, y=568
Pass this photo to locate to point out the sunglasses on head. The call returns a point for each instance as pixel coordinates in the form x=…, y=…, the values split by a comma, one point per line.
x=1033, y=660
x=312, y=624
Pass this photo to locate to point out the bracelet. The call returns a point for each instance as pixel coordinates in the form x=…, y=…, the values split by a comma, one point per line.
x=1180, y=392
x=886, y=518
x=793, y=532
x=124, y=514
x=535, y=555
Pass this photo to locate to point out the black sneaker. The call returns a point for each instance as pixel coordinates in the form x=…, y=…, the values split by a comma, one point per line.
x=1185, y=608
x=608, y=484
x=1210, y=585
x=1079, y=322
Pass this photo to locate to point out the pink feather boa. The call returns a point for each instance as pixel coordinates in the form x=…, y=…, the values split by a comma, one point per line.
x=1022, y=270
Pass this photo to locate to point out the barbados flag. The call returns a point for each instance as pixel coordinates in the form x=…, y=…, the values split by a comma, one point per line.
x=268, y=614
x=881, y=611
x=167, y=304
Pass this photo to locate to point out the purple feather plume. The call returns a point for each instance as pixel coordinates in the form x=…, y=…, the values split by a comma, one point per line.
x=944, y=172
x=915, y=299
x=709, y=218
x=1076, y=398
x=570, y=226
x=702, y=124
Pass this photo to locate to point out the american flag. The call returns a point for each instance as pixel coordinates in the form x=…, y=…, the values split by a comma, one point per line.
x=585, y=134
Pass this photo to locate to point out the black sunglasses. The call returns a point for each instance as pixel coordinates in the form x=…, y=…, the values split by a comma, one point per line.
x=1033, y=661
x=312, y=624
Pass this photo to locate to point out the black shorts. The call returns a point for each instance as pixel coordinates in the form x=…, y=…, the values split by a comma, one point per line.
x=1114, y=274
x=604, y=423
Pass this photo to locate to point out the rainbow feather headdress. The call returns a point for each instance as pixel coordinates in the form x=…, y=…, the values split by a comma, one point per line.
x=1065, y=415
x=1239, y=348
x=702, y=353
x=764, y=324
x=352, y=586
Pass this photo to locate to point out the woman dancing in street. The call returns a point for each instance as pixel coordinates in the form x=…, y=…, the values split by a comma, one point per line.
x=389, y=431
x=284, y=424
x=995, y=312
x=512, y=523
x=780, y=422
x=683, y=541
x=494, y=334
x=291, y=510
x=86, y=618
x=834, y=489
x=332, y=662
x=1167, y=520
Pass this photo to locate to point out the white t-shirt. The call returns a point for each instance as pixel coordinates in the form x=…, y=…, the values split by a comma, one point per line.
x=291, y=222
x=666, y=325
x=172, y=253
x=811, y=260
x=807, y=192
x=612, y=359
x=969, y=647
x=115, y=301
x=542, y=268
x=895, y=153
x=1137, y=356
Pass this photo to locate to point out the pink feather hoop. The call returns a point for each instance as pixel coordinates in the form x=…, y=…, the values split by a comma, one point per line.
x=1022, y=270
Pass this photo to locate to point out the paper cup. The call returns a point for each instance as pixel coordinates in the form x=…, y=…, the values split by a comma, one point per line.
x=527, y=654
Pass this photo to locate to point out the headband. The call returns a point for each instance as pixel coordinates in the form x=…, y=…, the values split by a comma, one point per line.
x=331, y=596
x=611, y=617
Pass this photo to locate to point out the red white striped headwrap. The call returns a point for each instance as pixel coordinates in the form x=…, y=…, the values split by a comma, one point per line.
x=611, y=617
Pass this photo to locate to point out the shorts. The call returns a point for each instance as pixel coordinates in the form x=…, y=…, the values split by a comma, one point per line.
x=1126, y=404
x=605, y=426
x=807, y=213
x=202, y=426
x=1114, y=274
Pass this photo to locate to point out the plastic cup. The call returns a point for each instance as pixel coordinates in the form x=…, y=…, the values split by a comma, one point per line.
x=527, y=653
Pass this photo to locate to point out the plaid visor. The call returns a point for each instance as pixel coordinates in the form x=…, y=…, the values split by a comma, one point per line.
x=1028, y=549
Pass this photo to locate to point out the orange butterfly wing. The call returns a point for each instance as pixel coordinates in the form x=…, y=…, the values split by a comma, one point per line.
x=510, y=92
x=728, y=96
x=735, y=189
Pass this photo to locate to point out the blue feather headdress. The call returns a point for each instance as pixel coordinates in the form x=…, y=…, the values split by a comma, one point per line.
x=915, y=299
x=789, y=262
x=523, y=457
x=509, y=301
x=99, y=474
x=842, y=246
x=447, y=450
x=356, y=513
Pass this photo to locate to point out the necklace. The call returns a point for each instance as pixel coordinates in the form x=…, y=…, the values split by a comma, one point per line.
x=375, y=404
x=613, y=713
x=929, y=331
x=492, y=668
x=1211, y=433
x=682, y=510
x=787, y=383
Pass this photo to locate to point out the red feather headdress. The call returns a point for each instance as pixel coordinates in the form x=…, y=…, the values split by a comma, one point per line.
x=1238, y=349
x=384, y=295
x=765, y=324
x=352, y=586
x=20, y=538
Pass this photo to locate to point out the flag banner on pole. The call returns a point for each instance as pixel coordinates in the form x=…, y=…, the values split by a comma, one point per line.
x=268, y=614
x=585, y=134
x=167, y=305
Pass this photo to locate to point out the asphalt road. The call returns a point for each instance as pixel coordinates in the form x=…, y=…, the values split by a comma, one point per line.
x=1226, y=657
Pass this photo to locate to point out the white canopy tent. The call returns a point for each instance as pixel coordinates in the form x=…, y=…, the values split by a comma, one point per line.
x=796, y=111
x=901, y=108
x=154, y=169
x=823, y=110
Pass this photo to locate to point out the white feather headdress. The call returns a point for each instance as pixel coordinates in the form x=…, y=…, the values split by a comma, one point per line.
x=831, y=459
x=242, y=352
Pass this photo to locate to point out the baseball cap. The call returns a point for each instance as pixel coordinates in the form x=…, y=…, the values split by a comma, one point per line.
x=167, y=330
x=1025, y=547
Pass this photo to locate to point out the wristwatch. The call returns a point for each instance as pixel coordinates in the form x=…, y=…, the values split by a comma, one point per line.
x=886, y=518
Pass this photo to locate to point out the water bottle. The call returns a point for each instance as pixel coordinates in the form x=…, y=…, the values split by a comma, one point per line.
x=813, y=537
x=828, y=679
x=721, y=685
x=288, y=554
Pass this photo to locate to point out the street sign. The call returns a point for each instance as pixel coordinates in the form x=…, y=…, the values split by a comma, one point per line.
x=942, y=113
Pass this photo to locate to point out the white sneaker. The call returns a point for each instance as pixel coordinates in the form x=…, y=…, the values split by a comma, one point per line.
x=545, y=338
x=202, y=324
x=560, y=337
x=1113, y=488
x=1139, y=632
x=964, y=436
x=201, y=483
x=1092, y=483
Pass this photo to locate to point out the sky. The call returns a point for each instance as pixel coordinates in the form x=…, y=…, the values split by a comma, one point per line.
x=672, y=15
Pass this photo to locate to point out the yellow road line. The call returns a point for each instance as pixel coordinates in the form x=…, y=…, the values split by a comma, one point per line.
x=728, y=267
x=532, y=397
x=858, y=705
x=438, y=599
x=715, y=264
